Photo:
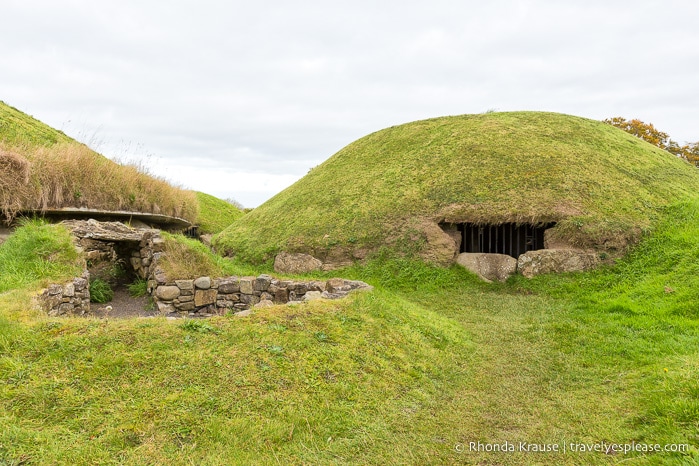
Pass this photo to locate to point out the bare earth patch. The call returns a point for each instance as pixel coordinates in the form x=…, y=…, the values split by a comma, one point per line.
x=124, y=306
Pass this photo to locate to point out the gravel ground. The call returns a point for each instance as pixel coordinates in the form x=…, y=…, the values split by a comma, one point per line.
x=123, y=306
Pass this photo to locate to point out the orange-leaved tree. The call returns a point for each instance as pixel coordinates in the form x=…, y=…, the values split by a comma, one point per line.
x=649, y=133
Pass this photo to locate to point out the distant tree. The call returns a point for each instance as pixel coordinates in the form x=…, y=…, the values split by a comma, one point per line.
x=649, y=133
x=691, y=153
x=234, y=203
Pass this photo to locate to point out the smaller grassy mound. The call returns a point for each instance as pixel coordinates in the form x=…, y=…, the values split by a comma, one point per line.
x=36, y=253
x=42, y=168
x=291, y=385
x=215, y=214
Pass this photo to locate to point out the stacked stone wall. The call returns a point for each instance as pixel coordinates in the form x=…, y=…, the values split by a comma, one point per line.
x=206, y=296
x=72, y=298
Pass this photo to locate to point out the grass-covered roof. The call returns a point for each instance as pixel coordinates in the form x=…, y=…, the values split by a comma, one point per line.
x=601, y=185
x=42, y=168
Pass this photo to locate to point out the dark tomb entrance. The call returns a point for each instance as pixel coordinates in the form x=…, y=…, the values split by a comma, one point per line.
x=508, y=238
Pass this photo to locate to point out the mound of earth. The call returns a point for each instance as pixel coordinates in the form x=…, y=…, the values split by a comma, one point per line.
x=415, y=189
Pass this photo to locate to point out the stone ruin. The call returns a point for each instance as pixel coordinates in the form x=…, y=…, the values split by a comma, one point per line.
x=140, y=249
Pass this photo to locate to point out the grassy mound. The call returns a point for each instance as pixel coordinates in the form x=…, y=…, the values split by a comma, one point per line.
x=215, y=214
x=602, y=186
x=42, y=168
x=35, y=253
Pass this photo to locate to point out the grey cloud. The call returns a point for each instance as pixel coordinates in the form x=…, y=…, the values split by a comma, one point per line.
x=277, y=87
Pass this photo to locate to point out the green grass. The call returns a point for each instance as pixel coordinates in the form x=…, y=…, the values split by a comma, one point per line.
x=431, y=359
x=215, y=214
x=603, y=186
x=36, y=253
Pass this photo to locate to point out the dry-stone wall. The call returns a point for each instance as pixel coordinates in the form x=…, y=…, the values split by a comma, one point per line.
x=206, y=296
x=72, y=298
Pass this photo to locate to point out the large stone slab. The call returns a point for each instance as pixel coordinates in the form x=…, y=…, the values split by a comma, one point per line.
x=489, y=267
x=204, y=297
x=296, y=263
x=541, y=261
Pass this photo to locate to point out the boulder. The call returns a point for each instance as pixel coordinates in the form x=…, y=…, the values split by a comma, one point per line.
x=489, y=267
x=296, y=263
x=533, y=263
x=202, y=283
x=167, y=293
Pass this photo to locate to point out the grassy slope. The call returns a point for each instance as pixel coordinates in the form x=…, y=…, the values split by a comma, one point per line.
x=400, y=376
x=41, y=167
x=35, y=253
x=600, y=182
x=215, y=214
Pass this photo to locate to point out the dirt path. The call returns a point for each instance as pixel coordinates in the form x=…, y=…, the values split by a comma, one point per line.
x=124, y=306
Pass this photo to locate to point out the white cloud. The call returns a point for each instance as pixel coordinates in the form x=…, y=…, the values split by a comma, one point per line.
x=273, y=88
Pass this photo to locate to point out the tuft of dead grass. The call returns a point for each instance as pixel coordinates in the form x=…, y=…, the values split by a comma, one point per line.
x=185, y=258
x=14, y=180
x=69, y=174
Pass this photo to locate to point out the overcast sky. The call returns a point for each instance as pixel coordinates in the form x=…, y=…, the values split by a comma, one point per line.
x=240, y=99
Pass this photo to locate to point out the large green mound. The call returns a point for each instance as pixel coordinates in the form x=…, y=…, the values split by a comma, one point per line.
x=42, y=168
x=394, y=187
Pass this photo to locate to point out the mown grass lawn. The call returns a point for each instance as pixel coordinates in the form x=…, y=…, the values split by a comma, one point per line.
x=412, y=373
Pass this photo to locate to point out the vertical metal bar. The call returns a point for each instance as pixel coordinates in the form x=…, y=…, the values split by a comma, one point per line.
x=518, y=241
x=497, y=244
x=510, y=252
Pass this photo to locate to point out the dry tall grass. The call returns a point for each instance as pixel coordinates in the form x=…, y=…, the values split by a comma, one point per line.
x=72, y=175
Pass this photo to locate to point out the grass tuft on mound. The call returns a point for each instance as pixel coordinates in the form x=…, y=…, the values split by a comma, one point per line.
x=604, y=187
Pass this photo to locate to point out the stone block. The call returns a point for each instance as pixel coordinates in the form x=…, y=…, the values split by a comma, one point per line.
x=229, y=285
x=157, y=244
x=165, y=308
x=186, y=306
x=184, y=284
x=186, y=299
x=246, y=285
x=69, y=290
x=281, y=295
x=262, y=283
x=204, y=297
x=249, y=299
